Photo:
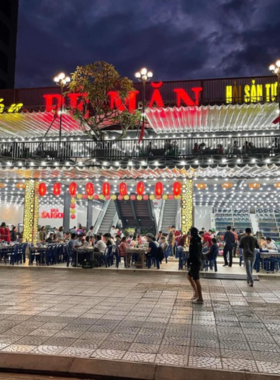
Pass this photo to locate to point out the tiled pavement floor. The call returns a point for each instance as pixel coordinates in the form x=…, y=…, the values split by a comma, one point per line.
x=141, y=318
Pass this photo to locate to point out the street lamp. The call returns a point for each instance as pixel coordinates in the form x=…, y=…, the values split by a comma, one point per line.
x=61, y=80
x=143, y=76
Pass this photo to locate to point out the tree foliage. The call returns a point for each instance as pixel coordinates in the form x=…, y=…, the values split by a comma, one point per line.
x=96, y=80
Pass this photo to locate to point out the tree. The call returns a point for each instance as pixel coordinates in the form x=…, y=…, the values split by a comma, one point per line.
x=96, y=80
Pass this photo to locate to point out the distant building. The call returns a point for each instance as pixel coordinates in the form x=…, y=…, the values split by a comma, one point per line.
x=8, y=39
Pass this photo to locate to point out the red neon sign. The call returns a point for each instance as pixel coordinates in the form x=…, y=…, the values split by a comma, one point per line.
x=79, y=100
x=53, y=214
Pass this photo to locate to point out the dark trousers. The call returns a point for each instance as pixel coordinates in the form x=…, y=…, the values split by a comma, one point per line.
x=153, y=260
x=234, y=249
x=228, y=249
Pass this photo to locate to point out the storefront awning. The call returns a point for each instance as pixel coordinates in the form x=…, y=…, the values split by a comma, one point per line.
x=225, y=118
x=36, y=124
x=64, y=173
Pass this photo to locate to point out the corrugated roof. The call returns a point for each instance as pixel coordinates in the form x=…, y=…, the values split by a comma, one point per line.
x=35, y=124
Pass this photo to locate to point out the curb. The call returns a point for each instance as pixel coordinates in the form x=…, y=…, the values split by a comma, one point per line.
x=72, y=366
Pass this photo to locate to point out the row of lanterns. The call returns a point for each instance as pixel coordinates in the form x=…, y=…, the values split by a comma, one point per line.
x=106, y=189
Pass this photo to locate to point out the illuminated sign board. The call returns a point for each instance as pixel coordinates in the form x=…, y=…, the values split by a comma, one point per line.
x=53, y=214
x=14, y=108
x=183, y=98
x=251, y=93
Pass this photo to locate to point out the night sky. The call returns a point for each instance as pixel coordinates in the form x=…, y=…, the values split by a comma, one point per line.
x=176, y=39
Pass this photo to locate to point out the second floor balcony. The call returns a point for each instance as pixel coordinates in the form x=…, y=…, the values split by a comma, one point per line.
x=197, y=149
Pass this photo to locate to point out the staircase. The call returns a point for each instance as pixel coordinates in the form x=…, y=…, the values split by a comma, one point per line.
x=169, y=215
x=223, y=218
x=107, y=221
x=268, y=225
x=241, y=220
x=137, y=214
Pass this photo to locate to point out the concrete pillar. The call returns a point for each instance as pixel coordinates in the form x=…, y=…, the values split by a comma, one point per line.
x=31, y=211
x=89, y=214
x=187, y=205
x=66, y=212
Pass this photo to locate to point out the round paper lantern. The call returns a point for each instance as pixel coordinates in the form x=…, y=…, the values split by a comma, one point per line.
x=107, y=197
x=227, y=185
x=165, y=197
x=106, y=188
x=177, y=188
x=139, y=197
x=89, y=189
x=96, y=196
x=73, y=205
x=73, y=189
x=20, y=185
x=152, y=197
x=2, y=185
x=277, y=185
x=123, y=189
x=120, y=198
x=133, y=197
x=140, y=188
x=56, y=189
x=72, y=211
x=90, y=197
x=254, y=185
x=145, y=197
x=170, y=196
x=126, y=197
x=158, y=189
x=113, y=197
x=101, y=196
x=201, y=186
x=73, y=216
x=84, y=196
x=80, y=196
x=42, y=189
x=73, y=200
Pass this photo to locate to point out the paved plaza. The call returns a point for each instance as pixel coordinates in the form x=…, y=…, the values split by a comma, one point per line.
x=140, y=317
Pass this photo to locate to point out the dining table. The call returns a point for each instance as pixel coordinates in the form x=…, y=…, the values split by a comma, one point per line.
x=89, y=253
x=140, y=256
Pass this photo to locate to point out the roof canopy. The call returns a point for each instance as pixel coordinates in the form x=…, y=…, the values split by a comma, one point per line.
x=213, y=118
x=36, y=124
x=86, y=173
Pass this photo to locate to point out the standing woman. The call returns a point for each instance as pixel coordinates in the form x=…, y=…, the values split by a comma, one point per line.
x=60, y=233
x=5, y=233
x=194, y=262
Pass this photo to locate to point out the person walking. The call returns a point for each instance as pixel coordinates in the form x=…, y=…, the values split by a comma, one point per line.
x=229, y=239
x=248, y=243
x=194, y=262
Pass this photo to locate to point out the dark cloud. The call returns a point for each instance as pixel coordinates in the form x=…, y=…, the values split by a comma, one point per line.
x=177, y=39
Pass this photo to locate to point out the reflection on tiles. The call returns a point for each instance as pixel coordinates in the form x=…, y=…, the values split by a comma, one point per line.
x=137, y=317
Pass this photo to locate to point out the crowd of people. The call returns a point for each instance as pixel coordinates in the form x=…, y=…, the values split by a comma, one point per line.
x=203, y=246
x=9, y=235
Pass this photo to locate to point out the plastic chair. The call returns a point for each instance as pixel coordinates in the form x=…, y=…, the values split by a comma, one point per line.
x=49, y=255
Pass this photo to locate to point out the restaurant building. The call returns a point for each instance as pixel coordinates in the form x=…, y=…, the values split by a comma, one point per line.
x=210, y=157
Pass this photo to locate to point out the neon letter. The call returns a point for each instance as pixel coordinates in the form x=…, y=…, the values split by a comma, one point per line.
x=74, y=102
x=116, y=101
x=156, y=97
x=14, y=108
x=50, y=106
x=183, y=95
x=1, y=106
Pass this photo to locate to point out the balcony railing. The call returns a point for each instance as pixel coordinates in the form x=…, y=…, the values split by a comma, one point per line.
x=264, y=145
